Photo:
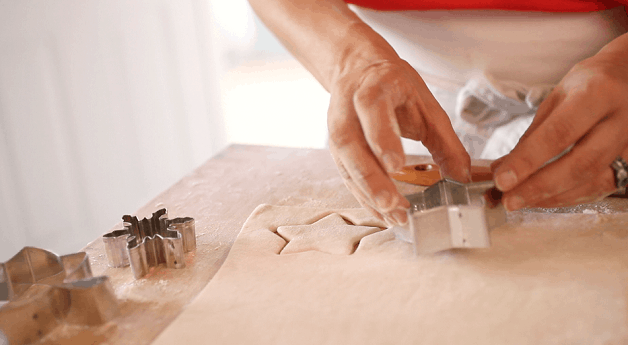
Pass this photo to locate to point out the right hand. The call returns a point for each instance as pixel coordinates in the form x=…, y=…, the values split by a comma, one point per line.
x=370, y=109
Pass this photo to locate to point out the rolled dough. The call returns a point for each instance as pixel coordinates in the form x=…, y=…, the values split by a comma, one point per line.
x=330, y=235
x=547, y=279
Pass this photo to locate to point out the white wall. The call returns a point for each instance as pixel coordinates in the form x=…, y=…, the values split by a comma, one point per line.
x=268, y=97
x=276, y=103
x=103, y=104
x=106, y=103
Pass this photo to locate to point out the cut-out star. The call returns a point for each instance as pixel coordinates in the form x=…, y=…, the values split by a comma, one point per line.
x=330, y=234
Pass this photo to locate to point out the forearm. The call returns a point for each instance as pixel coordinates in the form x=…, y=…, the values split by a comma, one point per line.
x=324, y=35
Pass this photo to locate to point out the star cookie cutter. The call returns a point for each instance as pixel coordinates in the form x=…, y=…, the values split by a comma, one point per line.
x=150, y=242
x=41, y=291
x=449, y=215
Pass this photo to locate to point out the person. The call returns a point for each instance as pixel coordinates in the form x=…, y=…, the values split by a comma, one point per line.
x=566, y=60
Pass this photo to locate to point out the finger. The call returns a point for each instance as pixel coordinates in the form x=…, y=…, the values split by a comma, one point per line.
x=570, y=120
x=497, y=163
x=341, y=168
x=397, y=216
x=446, y=148
x=590, y=158
x=436, y=133
x=351, y=186
x=599, y=187
x=585, y=194
x=374, y=212
x=545, y=109
x=370, y=178
x=375, y=106
x=363, y=200
x=360, y=196
x=357, y=193
x=360, y=165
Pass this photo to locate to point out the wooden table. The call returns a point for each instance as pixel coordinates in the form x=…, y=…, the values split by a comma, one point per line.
x=220, y=195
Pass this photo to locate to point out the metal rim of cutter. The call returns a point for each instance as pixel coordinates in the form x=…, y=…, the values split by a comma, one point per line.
x=450, y=214
x=149, y=242
x=43, y=290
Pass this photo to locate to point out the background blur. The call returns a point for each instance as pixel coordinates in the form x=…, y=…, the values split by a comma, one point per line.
x=104, y=104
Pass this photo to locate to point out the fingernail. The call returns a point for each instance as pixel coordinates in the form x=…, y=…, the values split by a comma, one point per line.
x=389, y=221
x=496, y=164
x=400, y=217
x=467, y=175
x=506, y=181
x=378, y=215
x=514, y=203
x=392, y=162
x=383, y=200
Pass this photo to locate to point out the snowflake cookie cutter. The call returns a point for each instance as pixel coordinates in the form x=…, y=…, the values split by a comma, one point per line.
x=149, y=242
x=40, y=290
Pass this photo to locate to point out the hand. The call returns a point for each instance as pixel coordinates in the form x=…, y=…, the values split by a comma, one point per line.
x=375, y=98
x=587, y=111
x=370, y=109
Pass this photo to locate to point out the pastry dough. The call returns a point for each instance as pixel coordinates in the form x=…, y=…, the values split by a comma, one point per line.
x=330, y=235
x=541, y=282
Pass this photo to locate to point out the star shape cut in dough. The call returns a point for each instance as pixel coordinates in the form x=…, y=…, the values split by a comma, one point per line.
x=330, y=234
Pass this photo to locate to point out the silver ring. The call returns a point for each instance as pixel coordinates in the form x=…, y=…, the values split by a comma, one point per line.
x=620, y=167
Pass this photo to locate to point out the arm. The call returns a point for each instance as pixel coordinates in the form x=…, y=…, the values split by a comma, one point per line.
x=375, y=98
x=322, y=35
x=589, y=110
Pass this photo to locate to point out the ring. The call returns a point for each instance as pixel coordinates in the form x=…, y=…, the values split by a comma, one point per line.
x=620, y=167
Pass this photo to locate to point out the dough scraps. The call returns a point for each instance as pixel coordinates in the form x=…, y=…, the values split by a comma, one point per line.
x=547, y=279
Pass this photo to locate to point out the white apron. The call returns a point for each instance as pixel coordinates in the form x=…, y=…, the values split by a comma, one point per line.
x=490, y=69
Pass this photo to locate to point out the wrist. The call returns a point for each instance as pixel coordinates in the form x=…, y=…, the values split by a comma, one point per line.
x=360, y=48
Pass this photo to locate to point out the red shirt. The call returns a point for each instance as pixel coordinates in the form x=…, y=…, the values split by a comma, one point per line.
x=528, y=5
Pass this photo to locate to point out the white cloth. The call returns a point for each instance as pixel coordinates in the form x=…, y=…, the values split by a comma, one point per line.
x=491, y=69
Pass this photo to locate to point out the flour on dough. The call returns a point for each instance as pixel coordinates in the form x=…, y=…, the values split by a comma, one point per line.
x=545, y=280
x=330, y=235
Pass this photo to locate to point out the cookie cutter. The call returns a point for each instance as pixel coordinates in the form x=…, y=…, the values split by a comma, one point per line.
x=427, y=174
x=449, y=215
x=149, y=242
x=41, y=291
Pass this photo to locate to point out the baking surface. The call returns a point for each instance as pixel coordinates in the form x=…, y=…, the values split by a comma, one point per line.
x=220, y=195
x=547, y=279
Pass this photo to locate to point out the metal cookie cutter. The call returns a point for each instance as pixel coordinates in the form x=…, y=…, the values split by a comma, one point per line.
x=428, y=174
x=449, y=214
x=42, y=290
x=150, y=241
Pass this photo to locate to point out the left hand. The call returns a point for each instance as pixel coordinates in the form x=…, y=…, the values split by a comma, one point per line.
x=587, y=111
